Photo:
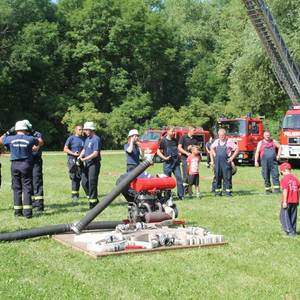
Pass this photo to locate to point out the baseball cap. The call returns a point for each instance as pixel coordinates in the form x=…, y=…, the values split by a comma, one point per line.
x=285, y=166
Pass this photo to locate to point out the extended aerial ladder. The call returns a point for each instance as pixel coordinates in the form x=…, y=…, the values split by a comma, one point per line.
x=284, y=66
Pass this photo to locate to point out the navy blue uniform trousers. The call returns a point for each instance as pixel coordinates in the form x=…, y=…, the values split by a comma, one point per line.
x=89, y=182
x=37, y=180
x=21, y=173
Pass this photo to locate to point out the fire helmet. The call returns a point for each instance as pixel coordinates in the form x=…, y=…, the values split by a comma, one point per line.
x=21, y=125
x=89, y=125
x=133, y=132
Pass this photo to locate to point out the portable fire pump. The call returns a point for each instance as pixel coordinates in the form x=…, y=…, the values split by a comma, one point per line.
x=150, y=200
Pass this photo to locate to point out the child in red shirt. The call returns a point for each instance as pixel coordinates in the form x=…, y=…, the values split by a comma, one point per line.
x=290, y=199
x=193, y=162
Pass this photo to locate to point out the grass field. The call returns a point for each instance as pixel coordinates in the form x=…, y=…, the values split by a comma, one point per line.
x=259, y=262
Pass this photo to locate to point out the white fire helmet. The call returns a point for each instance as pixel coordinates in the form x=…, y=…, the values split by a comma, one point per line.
x=28, y=124
x=89, y=125
x=133, y=132
x=21, y=125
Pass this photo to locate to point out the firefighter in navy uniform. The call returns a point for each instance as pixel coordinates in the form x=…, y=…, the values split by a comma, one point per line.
x=37, y=170
x=132, y=150
x=168, y=152
x=21, y=145
x=223, y=153
x=91, y=158
x=266, y=152
x=73, y=147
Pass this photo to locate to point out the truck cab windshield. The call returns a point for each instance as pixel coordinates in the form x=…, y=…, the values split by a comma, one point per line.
x=233, y=128
x=150, y=136
x=291, y=122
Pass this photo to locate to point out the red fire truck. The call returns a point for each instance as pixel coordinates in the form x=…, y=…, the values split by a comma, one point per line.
x=286, y=71
x=290, y=134
x=246, y=132
x=150, y=140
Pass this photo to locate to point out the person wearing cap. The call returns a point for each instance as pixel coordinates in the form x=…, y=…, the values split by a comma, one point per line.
x=91, y=158
x=37, y=170
x=290, y=200
x=266, y=152
x=168, y=152
x=73, y=147
x=21, y=147
x=132, y=150
x=223, y=151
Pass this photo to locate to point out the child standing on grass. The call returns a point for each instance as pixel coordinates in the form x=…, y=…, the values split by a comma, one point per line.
x=290, y=199
x=193, y=162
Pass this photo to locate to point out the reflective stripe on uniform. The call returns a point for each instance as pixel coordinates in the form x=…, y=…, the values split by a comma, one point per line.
x=93, y=200
x=38, y=197
x=75, y=192
x=27, y=206
x=218, y=190
x=228, y=190
x=276, y=186
x=268, y=188
x=18, y=207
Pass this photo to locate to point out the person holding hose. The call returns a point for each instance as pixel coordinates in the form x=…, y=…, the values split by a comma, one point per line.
x=73, y=147
x=223, y=152
x=266, y=153
x=132, y=150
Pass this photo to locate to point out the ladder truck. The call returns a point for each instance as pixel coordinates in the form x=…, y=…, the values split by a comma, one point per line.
x=286, y=71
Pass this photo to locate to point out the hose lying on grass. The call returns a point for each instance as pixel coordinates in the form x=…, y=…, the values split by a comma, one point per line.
x=86, y=222
x=54, y=229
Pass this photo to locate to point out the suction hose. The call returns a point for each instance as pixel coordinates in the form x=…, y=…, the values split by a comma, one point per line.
x=85, y=223
x=54, y=229
x=77, y=227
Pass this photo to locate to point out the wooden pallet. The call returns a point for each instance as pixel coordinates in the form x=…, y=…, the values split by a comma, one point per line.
x=68, y=240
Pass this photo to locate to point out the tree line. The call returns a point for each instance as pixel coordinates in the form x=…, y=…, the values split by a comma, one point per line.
x=136, y=64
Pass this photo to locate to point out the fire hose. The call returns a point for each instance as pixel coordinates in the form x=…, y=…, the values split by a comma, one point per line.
x=77, y=227
x=85, y=223
x=54, y=229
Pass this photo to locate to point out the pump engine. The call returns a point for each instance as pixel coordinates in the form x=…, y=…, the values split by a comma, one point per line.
x=150, y=199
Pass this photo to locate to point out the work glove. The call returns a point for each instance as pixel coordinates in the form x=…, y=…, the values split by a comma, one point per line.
x=10, y=131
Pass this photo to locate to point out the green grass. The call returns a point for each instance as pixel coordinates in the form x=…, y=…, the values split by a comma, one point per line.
x=259, y=262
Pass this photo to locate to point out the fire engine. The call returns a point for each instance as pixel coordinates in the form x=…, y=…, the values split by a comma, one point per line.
x=290, y=134
x=246, y=132
x=149, y=141
x=286, y=71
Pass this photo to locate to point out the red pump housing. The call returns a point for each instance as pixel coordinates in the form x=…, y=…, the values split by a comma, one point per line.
x=153, y=184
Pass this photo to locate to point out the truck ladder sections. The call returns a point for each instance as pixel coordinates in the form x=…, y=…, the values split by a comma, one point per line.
x=285, y=68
